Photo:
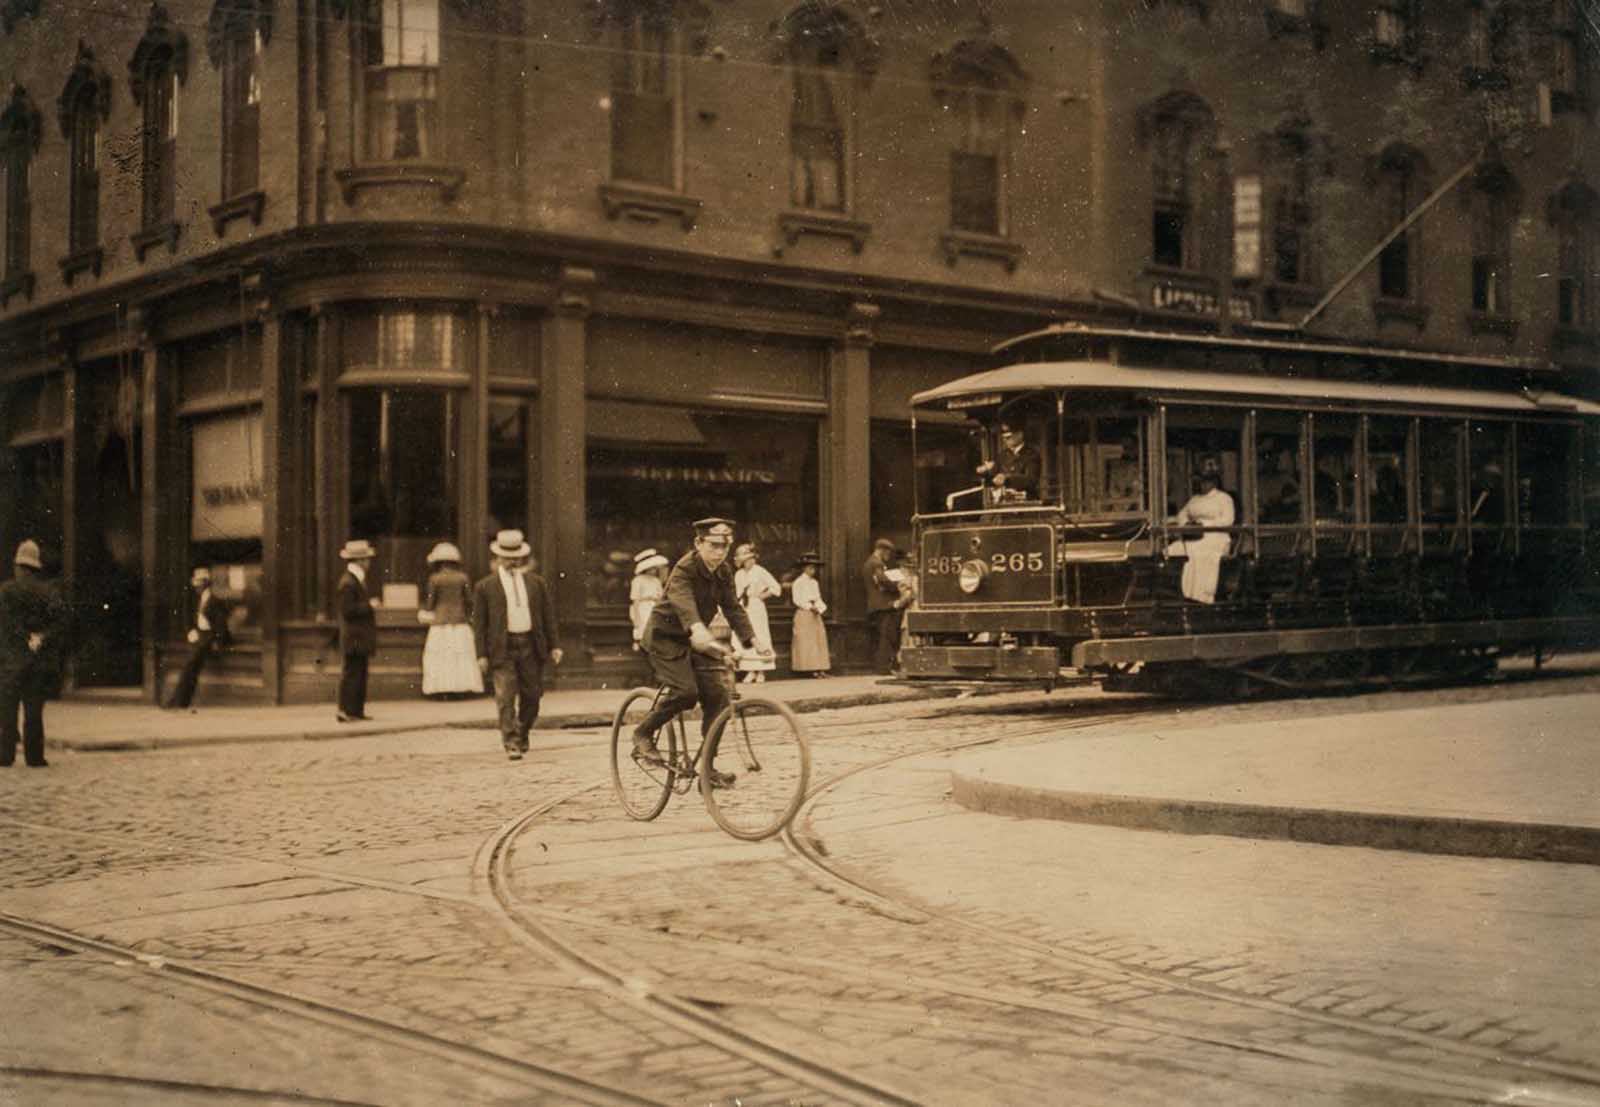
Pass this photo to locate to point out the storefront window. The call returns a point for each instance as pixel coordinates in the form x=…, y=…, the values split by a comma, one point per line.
x=655, y=469
x=404, y=469
x=510, y=454
x=226, y=510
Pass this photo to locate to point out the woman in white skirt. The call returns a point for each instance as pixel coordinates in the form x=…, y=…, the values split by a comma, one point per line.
x=754, y=586
x=449, y=656
x=808, y=649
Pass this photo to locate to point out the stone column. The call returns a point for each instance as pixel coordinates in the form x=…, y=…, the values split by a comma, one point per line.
x=326, y=431
x=848, y=497
x=563, y=467
x=157, y=397
x=279, y=403
x=475, y=452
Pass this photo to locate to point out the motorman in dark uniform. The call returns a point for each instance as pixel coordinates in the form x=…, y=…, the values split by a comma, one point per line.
x=684, y=655
x=1015, y=473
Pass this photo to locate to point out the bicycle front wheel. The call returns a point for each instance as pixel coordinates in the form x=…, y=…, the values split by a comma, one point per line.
x=642, y=787
x=761, y=743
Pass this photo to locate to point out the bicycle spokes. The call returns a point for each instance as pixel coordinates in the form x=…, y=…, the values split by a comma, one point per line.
x=760, y=743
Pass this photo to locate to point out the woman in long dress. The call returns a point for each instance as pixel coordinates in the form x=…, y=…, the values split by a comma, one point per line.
x=755, y=586
x=1209, y=507
x=808, y=650
x=449, y=656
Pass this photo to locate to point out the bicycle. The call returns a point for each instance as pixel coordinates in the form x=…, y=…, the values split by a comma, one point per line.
x=772, y=770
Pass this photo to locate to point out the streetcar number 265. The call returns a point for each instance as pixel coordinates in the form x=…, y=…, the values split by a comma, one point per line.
x=998, y=563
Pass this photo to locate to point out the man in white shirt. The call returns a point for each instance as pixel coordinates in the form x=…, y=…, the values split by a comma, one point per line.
x=514, y=626
x=207, y=633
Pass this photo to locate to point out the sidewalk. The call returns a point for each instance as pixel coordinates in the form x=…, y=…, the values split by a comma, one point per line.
x=97, y=725
x=1515, y=779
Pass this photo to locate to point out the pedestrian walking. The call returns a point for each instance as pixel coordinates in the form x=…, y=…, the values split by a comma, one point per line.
x=649, y=584
x=449, y=656
x=207, y=635
x=883, y=608
x=31, y=622
x=358, y=628
x=808, y=651
x=754, y=586
x=515, y=631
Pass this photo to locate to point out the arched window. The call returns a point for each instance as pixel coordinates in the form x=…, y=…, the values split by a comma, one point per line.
x=1400, y=178
x=235, y=36
x=160, y=63
x=1493, y=203
x=85, y=103
x=980, y=85
x=826, y=52
x=20, y=133
x=1575, y=211
x=402, y=45
x=1181, y=132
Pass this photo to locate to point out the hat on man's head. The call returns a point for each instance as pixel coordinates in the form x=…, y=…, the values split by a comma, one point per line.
x=444, y=551
x=201, y=575
x=883, y=544
x=510, y=544
x=356, y=549
x=810, y=558
x=654, y=561
x=713, y=527
x=28, y=554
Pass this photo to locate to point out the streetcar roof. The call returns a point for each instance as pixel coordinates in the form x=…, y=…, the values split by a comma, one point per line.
x=1103, y=375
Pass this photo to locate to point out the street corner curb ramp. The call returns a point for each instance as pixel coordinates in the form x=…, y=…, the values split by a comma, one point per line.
x=1374, y=830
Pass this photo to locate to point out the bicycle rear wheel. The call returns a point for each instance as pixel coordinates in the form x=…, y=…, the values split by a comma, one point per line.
x=762, y=743
x=642, y=787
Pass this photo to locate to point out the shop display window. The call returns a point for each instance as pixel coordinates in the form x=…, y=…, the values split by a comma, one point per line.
x=655, y=469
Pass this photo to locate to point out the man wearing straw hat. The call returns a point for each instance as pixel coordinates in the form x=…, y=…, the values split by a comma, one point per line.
x=30, y=622
x=208, y=633
x=515, y=630
x=358, y=629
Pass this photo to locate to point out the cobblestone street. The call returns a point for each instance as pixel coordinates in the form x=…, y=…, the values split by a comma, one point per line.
x=412, y=919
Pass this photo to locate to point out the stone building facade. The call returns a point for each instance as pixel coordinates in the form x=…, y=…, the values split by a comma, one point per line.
x=281, y=272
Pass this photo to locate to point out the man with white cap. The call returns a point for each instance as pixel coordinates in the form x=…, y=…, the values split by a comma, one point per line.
x=684, y=654
x=515, y=630
x=358, y=629
x=207, y=633
x=30, y=626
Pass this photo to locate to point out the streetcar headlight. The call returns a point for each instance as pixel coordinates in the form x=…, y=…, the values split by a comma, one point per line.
x=971, y=576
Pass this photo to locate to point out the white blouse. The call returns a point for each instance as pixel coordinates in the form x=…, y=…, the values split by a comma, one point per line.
x=808, y=594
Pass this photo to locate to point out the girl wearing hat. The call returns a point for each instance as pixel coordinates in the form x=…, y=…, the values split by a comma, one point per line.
x=649, y=583
x=449, y=656
x=809, y=646
x=754, y=586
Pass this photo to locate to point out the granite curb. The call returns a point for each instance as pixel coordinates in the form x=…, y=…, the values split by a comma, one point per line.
x=1510, y=840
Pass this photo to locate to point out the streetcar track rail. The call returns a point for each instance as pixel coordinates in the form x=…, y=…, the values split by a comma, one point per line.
x=806, y=844
x=210, y=1092
x=542, y=1077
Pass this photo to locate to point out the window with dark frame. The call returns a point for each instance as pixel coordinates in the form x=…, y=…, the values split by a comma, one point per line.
x=821, y=109
x=159, y=135
x=241, y=111
x=644, y=108
x=978, y=163
x=20, y=135
x=1576, y=213
x=1180, y=130
x=1292, y=215
x=402, y=81
x=1394, y=28
x=1399, y=187
x=1492, y=202
x=1571, y=53
x=84, y=146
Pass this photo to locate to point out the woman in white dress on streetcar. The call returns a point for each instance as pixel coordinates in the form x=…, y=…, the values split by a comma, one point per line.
x=755, y=586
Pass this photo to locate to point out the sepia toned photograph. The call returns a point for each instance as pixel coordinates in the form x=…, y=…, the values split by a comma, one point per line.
x=800, y=552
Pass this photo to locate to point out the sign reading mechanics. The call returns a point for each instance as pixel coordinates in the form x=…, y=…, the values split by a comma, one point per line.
x=1018, y=564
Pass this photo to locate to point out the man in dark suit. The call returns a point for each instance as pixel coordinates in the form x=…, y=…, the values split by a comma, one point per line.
x=514, y=626
x=30, y=629
x=883, y=612
x=208, y=633
x=358, y=629
x=1015, y=473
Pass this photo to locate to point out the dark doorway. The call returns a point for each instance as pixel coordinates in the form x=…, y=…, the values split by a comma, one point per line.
x=108, y=585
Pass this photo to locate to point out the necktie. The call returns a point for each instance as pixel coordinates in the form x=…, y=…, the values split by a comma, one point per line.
x=516, y=586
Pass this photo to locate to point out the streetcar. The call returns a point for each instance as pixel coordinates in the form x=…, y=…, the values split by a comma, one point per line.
x=1383, y=515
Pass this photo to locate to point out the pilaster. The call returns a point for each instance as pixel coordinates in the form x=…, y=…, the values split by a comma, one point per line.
x=849, y=494
x=563, y=468
x=278, y=407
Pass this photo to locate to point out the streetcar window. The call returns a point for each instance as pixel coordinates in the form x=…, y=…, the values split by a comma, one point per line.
x=1333, y=468
x=1547, y=463
x=1439, y=470
x=1120, y=468
x=1199, y=439
x=1278, y=476
x=1387, y=461
x=1486, y=469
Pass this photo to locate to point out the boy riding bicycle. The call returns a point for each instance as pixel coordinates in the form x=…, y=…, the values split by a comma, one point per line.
x=684, y=655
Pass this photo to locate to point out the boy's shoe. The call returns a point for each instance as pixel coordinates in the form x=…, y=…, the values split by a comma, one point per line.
x=644, y=747
x=720, y=779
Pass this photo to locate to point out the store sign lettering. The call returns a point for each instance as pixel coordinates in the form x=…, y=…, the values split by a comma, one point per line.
x=692, y=475
x=1177, y=297
x=227, y=496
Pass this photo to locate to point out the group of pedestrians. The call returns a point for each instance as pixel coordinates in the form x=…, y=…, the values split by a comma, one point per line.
x=503, y=629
